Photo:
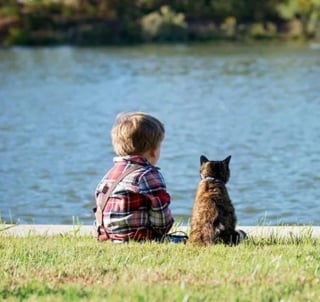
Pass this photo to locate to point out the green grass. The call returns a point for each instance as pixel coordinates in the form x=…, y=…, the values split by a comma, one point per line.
x=74, y=268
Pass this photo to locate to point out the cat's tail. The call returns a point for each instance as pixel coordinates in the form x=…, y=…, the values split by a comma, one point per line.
x=234, y=237
x=241, y=235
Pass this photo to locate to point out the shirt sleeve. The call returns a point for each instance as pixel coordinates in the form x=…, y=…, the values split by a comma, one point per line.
x=160, y=217
x=152, y=185
x=98, y=189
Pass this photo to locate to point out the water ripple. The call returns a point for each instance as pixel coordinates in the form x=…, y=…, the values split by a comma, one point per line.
x=259, y=103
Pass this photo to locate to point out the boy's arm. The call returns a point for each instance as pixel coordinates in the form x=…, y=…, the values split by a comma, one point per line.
x=160, y=216
x=153, y=186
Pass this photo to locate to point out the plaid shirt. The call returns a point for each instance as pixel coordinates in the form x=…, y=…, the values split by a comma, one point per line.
x=138, y=207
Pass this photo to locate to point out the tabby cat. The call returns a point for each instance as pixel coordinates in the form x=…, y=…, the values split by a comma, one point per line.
x=213, y=218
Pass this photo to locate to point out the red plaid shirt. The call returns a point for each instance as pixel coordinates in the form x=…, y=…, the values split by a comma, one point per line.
x=138, y=207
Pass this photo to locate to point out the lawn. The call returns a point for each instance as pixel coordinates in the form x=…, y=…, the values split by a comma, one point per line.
x=75, y=268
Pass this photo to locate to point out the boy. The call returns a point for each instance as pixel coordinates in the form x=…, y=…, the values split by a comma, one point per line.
x=138, y=207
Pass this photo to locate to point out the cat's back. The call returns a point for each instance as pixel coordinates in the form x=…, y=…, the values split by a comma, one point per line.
x=206, y=200
x=210, y=189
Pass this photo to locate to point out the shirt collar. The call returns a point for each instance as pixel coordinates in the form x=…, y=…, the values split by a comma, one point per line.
x=134, y=159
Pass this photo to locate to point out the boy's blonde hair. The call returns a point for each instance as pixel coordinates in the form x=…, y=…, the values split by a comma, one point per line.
x=135, y=133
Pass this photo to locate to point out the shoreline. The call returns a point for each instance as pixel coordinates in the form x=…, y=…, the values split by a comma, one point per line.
x=23, y=230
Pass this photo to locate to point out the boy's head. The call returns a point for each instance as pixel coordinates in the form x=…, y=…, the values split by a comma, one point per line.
x=135, y=133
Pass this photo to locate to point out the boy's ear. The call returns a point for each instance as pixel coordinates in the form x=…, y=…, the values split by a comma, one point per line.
x=203, y=159
x=154, y=152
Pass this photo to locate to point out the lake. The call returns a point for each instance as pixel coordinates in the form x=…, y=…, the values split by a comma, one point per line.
x=258, y=103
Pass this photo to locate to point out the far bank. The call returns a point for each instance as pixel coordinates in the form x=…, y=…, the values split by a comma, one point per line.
x=106, y=22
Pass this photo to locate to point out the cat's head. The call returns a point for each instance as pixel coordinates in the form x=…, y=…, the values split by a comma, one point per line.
x=214, y=168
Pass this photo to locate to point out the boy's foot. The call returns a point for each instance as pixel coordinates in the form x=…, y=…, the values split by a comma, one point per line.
x=176, y=237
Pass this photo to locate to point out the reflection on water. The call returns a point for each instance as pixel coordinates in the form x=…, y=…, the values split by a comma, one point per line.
x=259, y=103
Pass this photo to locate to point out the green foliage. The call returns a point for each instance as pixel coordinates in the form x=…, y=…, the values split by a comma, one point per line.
x=266, y=30
x=307, y=11
x=164, y=25
x=229, y=26
x=17, y=37
x=9, y=8
x=256, y=11
x=242, y=10
x=98, y=22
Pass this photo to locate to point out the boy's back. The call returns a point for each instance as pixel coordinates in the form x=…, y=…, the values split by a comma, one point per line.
x=138, y=207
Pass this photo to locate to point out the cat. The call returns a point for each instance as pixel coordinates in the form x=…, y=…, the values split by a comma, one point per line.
x=213, y=217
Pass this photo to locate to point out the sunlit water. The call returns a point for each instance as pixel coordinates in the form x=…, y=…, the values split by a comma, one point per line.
x=259, y=104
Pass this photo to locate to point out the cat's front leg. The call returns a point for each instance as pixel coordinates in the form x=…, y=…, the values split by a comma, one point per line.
x=218, y=230
x=219, y=225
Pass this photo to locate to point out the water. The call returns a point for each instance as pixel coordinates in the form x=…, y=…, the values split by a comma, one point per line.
x=259, y=104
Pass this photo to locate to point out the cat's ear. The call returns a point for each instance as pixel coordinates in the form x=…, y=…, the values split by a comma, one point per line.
x=203, y=159
x=227, y=160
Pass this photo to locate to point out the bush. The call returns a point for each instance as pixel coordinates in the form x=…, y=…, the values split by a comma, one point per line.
x=307, y=11
x=164, y=25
